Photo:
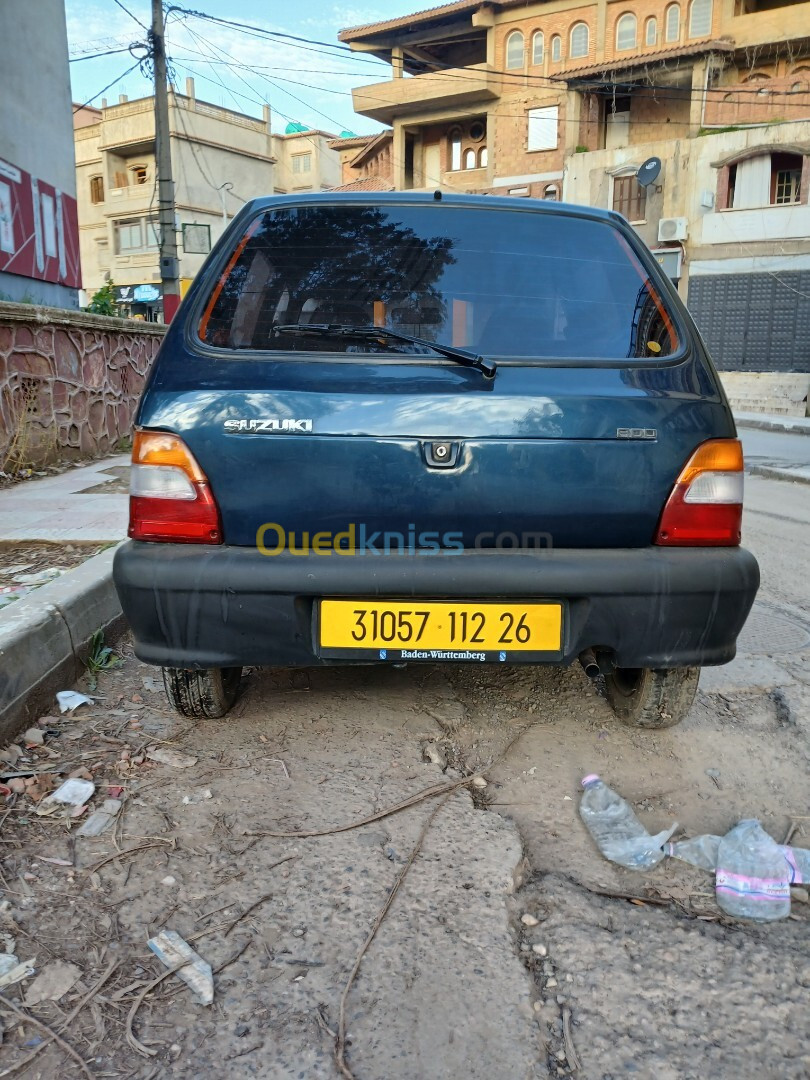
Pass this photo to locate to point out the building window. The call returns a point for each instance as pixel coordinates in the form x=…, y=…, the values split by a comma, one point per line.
x=543, y=128
x=135, y=234
x=96, y=189
x=482, y=158
x=651, y=32
x=538, y=47
x=629, y=197
x=139, y=175
x=477, y=130
x=763, y=180
x=786, y=179
x=579, y=40
x=672, y=30
x=556, y=48
x=700, y=18
x=626, y=32
x=469, y=159
x=454, y=136
x=301, y=163
x=550, y=193
x=514, y=51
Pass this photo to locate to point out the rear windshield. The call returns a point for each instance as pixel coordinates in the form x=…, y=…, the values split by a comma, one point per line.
x=500, y=283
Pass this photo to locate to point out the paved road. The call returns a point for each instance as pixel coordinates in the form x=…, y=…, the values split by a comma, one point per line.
x=509, y=932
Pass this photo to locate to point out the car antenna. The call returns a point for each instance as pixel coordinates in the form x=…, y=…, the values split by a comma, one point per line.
x=437, y=195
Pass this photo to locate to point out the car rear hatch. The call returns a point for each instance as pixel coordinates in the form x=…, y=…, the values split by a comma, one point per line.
x=601, y=394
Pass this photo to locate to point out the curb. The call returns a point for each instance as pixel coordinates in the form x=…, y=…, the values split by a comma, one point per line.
x=786, y=427
x=43, y=638
x=779, y=474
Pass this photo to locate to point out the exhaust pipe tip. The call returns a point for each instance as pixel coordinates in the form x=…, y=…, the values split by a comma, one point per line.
x=590, y=665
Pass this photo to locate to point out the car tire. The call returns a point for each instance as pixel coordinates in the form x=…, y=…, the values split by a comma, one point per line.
x=646, y=698
x=203, y=694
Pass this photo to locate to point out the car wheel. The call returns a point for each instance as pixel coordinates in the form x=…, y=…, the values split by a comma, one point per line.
x=642, y=697
x=208, y=693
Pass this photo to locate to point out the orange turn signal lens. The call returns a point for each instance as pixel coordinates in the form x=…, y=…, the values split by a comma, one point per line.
x=163, y=448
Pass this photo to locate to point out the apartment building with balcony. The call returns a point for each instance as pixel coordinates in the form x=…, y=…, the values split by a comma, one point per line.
x=220, y=160
x=565, y=99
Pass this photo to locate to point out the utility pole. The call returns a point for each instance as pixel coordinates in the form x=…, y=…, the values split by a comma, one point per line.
x=163, y=156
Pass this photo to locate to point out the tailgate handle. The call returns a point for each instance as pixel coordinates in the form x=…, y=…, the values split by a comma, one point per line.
x=442, y=454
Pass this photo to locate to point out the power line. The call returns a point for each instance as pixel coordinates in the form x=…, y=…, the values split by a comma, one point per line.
x=522, y=78
x=135, y=17
x=103, y=90
x=94, y=56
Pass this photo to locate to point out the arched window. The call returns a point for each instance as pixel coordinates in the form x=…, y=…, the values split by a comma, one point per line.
x=556, y=48
x=700, y=18
x=514, y=51
x=579, y=40
x=550, y=193
x=651, y=32
x=538, y=47
x=482, y=158
x=673, y=23
x=626, y=32
x=469, y=159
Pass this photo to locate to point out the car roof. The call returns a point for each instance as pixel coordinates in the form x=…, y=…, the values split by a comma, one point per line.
x=438, y=198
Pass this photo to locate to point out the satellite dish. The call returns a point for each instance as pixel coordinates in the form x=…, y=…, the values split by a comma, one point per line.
x=648, y=171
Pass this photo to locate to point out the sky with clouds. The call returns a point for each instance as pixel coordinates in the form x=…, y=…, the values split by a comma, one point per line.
x=304, y=82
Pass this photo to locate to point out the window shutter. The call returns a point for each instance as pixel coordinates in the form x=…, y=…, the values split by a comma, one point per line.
x=543, y=128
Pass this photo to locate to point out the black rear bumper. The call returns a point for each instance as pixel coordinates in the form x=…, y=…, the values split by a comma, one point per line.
x=200, y=607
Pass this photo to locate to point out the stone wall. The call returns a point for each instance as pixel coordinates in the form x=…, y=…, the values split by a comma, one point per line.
x=69, y=382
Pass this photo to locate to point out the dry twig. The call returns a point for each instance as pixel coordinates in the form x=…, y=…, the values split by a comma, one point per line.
x=136, y=1045
x=570, y=1052
x=261, y=899
x=127, y=851
x=412, y=800
x=51, y=1035
x=70, y=1017
x=340, y=1041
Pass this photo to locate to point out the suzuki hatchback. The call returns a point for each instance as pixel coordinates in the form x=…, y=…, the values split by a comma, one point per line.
x=412, y=428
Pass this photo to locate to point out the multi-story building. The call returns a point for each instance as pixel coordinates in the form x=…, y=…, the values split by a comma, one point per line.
x=39, y=256
x=220, y=160
x=366, y=161
x=567, y=99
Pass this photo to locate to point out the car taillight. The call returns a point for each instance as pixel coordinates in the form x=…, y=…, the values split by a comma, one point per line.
x=169, y=497
x=705, y=506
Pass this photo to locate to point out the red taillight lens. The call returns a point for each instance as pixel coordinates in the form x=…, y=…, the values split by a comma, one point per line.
x=170, y=498
x=705, y=506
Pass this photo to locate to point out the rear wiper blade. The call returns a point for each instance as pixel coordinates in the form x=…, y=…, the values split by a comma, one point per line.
x=461, y=356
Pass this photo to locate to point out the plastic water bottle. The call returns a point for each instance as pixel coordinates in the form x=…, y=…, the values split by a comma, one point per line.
x=618, y=833
x=753, y=874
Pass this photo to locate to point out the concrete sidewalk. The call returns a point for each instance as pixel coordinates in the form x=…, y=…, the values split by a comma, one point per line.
x=86, y=504
x=775, y=453
x=44, y=637
x=794, y=425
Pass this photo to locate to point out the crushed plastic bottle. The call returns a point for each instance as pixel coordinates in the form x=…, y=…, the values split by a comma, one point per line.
x=753, y=874
x=699, y=851
x=799, y=861
x=618, y=833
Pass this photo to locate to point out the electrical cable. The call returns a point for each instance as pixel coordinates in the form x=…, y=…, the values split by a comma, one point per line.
x=103, y=90
x=135, y=17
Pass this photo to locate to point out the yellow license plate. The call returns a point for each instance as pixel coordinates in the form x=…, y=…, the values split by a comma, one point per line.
x=438, y=630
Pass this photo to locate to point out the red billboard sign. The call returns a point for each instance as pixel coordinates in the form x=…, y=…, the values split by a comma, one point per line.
x=39, y=229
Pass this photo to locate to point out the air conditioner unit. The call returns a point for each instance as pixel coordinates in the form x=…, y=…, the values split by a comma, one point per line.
x=672, y=228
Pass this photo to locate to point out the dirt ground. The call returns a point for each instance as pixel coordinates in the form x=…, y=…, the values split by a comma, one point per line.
x=511, y=949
